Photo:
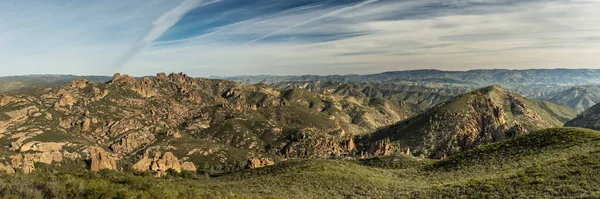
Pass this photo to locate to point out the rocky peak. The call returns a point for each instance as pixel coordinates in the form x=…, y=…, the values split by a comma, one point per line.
x=161, y=76
x=484, y=116
x=79, y=83
x=180, y=78
x=118, y=78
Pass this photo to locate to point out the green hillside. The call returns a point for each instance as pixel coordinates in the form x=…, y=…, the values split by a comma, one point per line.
x=483, y=116
x=561, y=162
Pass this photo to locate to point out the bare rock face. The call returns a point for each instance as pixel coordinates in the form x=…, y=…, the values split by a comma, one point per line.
x=79, y=83
x=166, y=162
x=4, y=100
x=132, y=142
x=144, y=88
x=86, y=125
x=126, y=79
x=6, y=169
x=21, y=113
x=44, y=152
x=65, y=99
x=161, y=163
x=100, y=160
x=143, y=165
x=188, y=166
x=23, y=162
x=260, y=162
x=312, y=142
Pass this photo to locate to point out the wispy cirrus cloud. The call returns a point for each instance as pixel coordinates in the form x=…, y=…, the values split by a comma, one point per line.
x=300, y=37
x=161, y=25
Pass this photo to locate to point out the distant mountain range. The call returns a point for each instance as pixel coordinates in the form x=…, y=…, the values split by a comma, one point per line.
x=579, y=98
x=478, y=77
x=15, y=83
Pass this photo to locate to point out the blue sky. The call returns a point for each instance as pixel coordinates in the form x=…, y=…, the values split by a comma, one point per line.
x=285, y=37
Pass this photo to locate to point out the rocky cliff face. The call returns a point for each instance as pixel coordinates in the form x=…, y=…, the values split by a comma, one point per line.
x=188, y=122
x=480, y=117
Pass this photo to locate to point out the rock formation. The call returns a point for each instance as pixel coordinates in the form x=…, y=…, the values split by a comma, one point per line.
x=100, y=160
x=260, y=162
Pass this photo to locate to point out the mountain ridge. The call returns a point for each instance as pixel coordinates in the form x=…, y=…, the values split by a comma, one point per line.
x=483, y=116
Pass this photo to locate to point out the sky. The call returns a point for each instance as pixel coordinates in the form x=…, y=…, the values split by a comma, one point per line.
x=294, y=37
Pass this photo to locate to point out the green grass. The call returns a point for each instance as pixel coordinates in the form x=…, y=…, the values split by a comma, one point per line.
x=561, y=162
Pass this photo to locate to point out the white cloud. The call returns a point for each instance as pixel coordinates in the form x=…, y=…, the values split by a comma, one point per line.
x=536, y=34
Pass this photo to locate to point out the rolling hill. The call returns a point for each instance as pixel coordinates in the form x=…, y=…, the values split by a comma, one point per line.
x=579, y=98
x=551, y=163
x=480, y=117
x=590, y=119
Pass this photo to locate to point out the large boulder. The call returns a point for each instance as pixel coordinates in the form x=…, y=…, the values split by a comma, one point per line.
x=99, y=159
x=6, y=169
x=260, y=162
x=23, y=162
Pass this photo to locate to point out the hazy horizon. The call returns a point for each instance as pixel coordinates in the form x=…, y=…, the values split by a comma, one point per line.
x=242, y=75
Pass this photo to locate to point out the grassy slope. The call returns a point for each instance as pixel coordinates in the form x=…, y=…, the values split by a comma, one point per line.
x=549, y=163
x=452, y=116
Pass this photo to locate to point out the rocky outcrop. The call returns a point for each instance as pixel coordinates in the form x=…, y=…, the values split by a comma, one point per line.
x=4, y=100
x=122, y=79
x=43, y=152
x=65, y=99
x=23, y=162
x=312, y=143
x=483, y=116
x=132, y=142
x=260, y=162
x=144, y=87
x=99, y=159
x=188, y=166
x=21, y=114
x=380, y=148
x=85, y=126
x=6, y=169
x=161, y=163
x=79, y=83
x=166, y=162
